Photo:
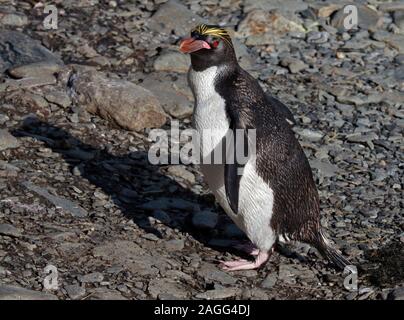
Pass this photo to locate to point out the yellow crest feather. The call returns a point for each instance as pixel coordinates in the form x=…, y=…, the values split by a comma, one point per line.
x=215, y=31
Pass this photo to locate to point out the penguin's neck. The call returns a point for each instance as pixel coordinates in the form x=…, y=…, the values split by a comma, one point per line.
x=210, y=106
x=201, y=61
x=204, y=83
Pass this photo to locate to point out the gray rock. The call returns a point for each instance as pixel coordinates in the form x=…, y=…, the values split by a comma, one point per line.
x=353, y=99
x=259, y=22
x=7, y=141
x=65, y=204
x=174, y=245
x=398, y=17
x=8, y=292
x=12, y=19
x=309, y=134
x=150, y=236
x=285, y=6
x=211, y=274
x=91, y=277
x=8, y=170
x=10, y=230
x=75, y=291
x=130, y=255
x=270, y=280
x=3, y=118
x=367, y=18
x=205, y=219
x=391, y=6
x=360, y=137
x=129, y=105
x=27, y=83
x=161, y=286
x=326, y=169
x=33, y=69
x=288, y=273
x=294, y=65
x=328, y=9
x=105, y=294
x=223, y=293
x=18, y=49
x=173, y=17
x=58, y=97
x=172, y=61
x=181, y=172
x=317, y=37
x=173, y=93
x=33, y=100
x=397, y=294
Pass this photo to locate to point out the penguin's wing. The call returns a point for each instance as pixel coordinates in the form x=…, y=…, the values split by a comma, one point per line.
x=236, y=148
x=281, y=109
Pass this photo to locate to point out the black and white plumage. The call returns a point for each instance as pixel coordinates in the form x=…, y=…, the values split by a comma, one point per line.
x=276, y=196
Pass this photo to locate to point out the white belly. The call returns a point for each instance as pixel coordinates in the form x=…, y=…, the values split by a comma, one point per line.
x=255, y=196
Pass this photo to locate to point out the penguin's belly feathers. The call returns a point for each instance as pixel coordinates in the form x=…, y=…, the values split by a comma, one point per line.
x=255, y=196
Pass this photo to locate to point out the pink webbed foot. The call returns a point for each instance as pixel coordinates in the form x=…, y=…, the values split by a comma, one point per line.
x=261, y=258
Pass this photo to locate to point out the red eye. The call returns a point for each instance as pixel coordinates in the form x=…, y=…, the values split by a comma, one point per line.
x=215, y=43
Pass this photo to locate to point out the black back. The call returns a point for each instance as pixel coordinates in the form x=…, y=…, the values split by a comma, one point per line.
x=281, y=161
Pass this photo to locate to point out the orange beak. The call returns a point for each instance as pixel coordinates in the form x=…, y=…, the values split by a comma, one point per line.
x=189, y=45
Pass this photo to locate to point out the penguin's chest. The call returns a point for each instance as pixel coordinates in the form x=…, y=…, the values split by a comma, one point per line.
x=212, y=124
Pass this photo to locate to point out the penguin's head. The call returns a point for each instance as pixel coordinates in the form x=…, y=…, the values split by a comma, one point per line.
x=209, y=46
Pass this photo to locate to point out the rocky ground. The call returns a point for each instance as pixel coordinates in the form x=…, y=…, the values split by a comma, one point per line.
x=77, y=190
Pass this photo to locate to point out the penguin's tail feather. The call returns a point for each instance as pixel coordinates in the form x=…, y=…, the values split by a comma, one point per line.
x=329, y=252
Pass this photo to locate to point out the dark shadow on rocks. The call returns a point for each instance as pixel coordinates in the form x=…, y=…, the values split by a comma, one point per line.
x=133, y=190
x=386, y=265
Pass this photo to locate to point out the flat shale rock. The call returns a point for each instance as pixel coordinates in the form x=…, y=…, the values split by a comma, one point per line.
x=9, y=230
x=161, y=286
x=105, y=294
x=132, y=257
x=7, y=141
x=211, y=273
x=12, y=18
x=218, y=294
x=367, y=18
x=8, y=292
x=34, y=69
x=18, y=49
x=75, y=209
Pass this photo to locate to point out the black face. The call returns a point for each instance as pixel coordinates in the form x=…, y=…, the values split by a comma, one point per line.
x=213, y=47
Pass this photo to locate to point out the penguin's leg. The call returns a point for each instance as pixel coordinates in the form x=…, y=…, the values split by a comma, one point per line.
x=248, y=248
x=261, y=258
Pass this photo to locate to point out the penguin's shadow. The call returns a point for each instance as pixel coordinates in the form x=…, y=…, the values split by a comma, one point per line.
x=130, y=189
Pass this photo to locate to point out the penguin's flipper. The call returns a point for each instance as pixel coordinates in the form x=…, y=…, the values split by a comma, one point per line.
x=232, y=185
x=233, y=169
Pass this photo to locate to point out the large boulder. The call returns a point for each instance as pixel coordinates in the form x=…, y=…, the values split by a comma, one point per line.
x=17, y=49
x=260, y=27
x=173, y=16
x=125, y=103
